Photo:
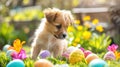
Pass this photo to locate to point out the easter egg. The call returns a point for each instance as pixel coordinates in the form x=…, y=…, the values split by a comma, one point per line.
x=98, y=63
x=68, y=51
x=16, y=63
x=91, y=57
x=9, y=53
x=43, y=63
x=87, y=52
x=5, y=48
x=109, y=56
x=76, y=56
x=61, y=65
x=44, y=54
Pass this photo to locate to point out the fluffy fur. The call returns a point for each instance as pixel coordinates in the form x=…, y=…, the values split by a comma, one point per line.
x=52, y=32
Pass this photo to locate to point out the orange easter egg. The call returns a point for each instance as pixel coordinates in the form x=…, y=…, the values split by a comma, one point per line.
x=43, y=63
x=91, y=57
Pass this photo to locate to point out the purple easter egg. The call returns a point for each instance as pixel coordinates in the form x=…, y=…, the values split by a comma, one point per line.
x=44, y=54
x=109, y=56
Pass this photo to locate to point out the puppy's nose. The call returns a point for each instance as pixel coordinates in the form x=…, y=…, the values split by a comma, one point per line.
x=64, y=35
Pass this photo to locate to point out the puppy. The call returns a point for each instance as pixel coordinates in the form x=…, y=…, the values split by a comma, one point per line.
x=52, y=32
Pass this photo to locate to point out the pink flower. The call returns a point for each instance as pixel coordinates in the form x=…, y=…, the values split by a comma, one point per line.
x=82, y=49
x=20, y=55
x=112, y=48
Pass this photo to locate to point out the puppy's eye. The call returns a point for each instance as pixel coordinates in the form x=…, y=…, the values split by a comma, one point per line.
x=58, y=26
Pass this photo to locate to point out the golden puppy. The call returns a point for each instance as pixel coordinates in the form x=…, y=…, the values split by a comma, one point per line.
x=52, y=32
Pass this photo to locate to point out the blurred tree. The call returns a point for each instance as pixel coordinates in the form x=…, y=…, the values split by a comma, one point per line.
x=62, y=4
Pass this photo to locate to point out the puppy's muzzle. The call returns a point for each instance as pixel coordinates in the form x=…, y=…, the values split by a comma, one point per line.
x=61, y=36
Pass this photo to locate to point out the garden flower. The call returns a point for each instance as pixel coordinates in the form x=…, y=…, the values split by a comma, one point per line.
x=20, y=55
x=117, y=54
x=82, y=49
x=86, y=35
x=112, y=48
x=99, y=28
x=19, y=17
x=17, y=45
x=77, y=40
x=87, y=25
x=86, y=18
x=80, y=27
x=70, y=29
x=75, y=44
x=77, y=21
x=95, y=21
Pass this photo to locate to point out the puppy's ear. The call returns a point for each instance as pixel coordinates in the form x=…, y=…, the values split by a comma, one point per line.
x=71, y=18
x=68, y=17
x=51, y=14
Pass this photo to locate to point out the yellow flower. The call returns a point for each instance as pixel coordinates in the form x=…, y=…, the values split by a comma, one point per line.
x=77, y=21
x=7, y=19
x=86, y=35
x=86, y=18
x=19, y=17
x=26, y=2
x=77, y=40
x=99, y=28
x=17, y=45
x=95, y=21
x=80, y=27
x=70, y=29
x=87, y=25
x=74, y=44
x=117, y=54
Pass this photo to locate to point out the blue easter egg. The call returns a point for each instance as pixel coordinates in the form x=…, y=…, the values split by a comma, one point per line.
x=44, y=54
x=98, y=63
x=9, y=52
x=16, y=63
x=5, y=48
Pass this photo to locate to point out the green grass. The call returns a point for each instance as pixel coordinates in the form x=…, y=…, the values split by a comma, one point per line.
x=4, y=60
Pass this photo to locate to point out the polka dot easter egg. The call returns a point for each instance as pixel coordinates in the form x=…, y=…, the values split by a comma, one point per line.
x=91, y=57
x=43, y=63
x=44, y=54
x=16, y=63
x=98, y=63
x=76, y=56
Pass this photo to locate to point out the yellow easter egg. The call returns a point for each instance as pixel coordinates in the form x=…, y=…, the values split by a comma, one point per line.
x=76, y=56
x=43, y=63
x=91, y=57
